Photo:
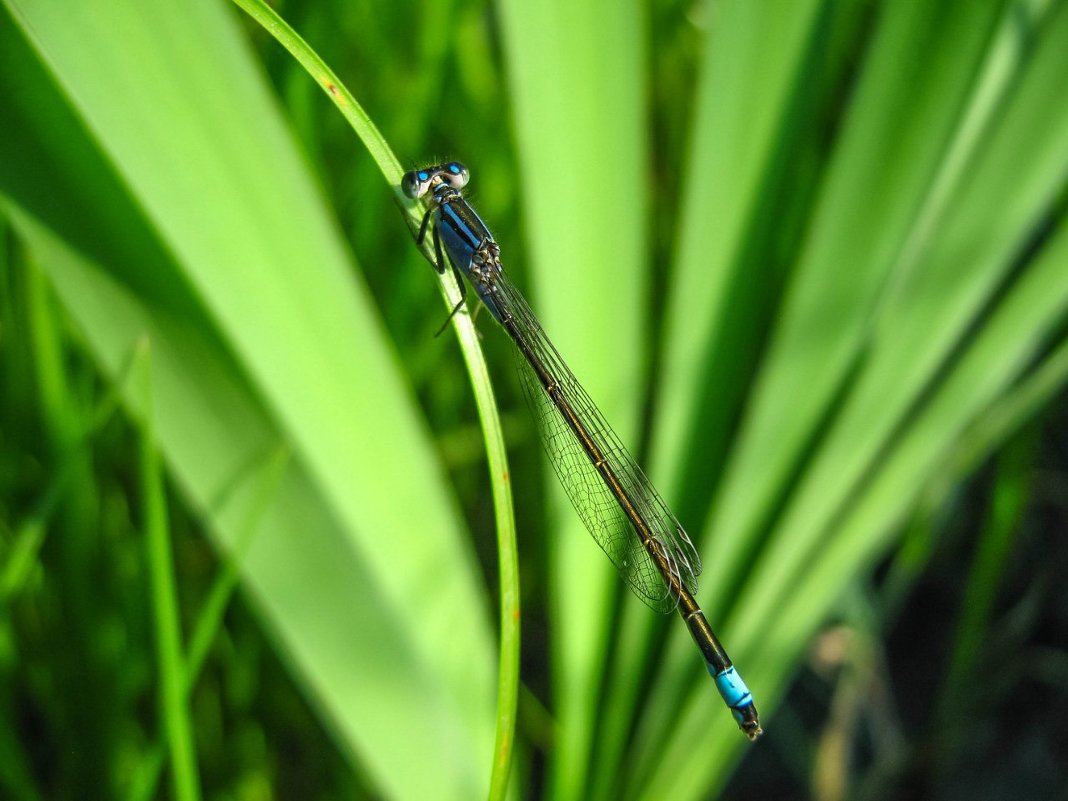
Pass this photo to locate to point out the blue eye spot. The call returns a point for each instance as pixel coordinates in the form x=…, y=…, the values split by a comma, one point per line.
x=423, y=175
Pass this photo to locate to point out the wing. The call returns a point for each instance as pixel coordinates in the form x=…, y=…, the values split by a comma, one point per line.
x=592, y=498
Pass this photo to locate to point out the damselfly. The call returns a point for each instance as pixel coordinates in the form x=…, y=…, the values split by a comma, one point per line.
x=624, y=513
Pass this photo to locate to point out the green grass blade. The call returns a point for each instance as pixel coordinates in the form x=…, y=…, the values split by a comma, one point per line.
x=210, y=620
x=756, y=96
x=850, y=251
x=808, y=257
x=254, y=314
x=1014, y=487
x=928, y=317
x=508, y=668
x=585, y=217
x=994, y=204
x=174, y=701
x=361, y=123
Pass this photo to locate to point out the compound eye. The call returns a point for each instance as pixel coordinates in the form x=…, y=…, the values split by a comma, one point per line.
x=456, y=174
x=414, y=184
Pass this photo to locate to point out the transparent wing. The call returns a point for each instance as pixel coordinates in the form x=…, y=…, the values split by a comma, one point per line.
x=593, y=500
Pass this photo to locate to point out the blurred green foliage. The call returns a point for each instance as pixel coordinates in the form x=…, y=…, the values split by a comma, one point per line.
x=811, y=259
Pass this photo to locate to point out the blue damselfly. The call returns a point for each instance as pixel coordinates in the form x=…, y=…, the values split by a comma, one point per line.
x=620, y=507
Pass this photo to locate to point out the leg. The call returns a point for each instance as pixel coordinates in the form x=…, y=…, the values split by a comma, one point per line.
x=458, y=306
x=440, y=266
x=422, y=228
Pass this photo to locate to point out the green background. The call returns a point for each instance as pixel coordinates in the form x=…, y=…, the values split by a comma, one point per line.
x=810, y=258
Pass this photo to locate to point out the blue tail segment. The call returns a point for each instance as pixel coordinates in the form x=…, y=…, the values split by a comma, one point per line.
x=737, y=696
x=731, y=687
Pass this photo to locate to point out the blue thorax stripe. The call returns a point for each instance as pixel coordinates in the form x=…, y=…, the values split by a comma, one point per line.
x=465, y=223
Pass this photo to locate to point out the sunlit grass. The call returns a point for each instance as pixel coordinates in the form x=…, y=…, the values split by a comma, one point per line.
x=809, y=259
